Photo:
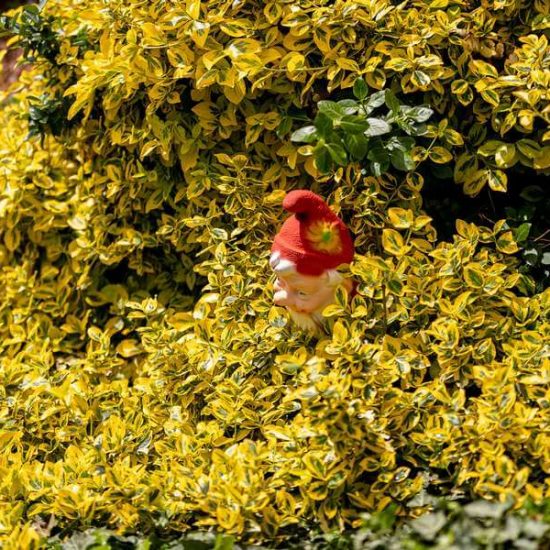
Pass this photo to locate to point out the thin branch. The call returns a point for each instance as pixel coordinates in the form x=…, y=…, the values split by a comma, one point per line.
x=540, y=237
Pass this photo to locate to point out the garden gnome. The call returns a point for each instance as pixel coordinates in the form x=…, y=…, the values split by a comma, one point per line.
x=311, y=244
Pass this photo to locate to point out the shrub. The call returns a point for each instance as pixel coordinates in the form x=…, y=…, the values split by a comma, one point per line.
x=146, y=379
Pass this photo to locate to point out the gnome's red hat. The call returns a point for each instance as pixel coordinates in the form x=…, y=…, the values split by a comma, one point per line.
x=314, y=238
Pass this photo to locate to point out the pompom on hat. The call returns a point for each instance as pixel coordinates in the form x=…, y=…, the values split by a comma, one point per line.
x=315, y=239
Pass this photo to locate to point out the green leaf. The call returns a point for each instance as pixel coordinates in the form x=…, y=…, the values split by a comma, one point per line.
x=357, y=145
x=531, y=256
x=377, y=127
x=360, y=89
x=522, y=232
x=419, y=114
x=337, y=153
x=323, y=160
x=284, y=127
x=377, y=152
x=402, y=143
x=331, y=109
x=391, y=101
x=417, y=129
x=224, y=542
x=402, y=160
x=307, y=134
x=324, y=125
x=354, y=124
x=395, y=286
x=374, y=101
x=348, y=106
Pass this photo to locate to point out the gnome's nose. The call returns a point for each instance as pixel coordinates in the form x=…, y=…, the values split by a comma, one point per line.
x=280, y=298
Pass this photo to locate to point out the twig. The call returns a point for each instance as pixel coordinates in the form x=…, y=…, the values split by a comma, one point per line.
x=540, y=237
x=484, y=217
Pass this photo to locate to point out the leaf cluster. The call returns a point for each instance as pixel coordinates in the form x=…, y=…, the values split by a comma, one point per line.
x=349, y=130
x=47, y=115
x=478, y=524
x=147, y=382
x=36, y=34
x=451, y=525
x=530, y=222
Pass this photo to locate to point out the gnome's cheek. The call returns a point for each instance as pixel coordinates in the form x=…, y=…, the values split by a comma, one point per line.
x=317, y=301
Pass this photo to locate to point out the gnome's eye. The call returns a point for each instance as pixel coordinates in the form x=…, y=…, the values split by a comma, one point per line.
x=303, y=294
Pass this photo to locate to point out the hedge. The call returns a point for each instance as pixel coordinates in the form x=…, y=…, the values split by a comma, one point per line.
x=146, y=378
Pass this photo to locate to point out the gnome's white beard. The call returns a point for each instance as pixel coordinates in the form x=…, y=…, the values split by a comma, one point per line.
x=311, y=322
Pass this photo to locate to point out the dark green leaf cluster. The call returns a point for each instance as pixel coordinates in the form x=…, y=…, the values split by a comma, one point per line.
x=36, y=34
x=48, y=115
x=349, y=130
x=530, y=221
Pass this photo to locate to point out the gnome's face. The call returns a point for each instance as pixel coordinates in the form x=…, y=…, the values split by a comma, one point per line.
x=303, y=293
x=305, y=296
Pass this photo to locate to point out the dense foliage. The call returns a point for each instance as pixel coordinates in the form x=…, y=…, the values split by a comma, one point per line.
x=478, y=525
x=147, y=381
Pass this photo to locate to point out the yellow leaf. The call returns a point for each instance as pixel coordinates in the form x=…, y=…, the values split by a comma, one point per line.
x=199, y=32
x=506, y=243
x=482, y=68
x=421, y=221
x=392, y=241
x=193, y=8
x=474, y=275
x=348, y=64
x=243, y=46
x=294, y=62
x=236, y=93
x=475, y=181
x=400, y=218
x=128, y=348
x=497, y=180
x=12, y=238
x=273, y=11
x=440, y=155
x=152, y=35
